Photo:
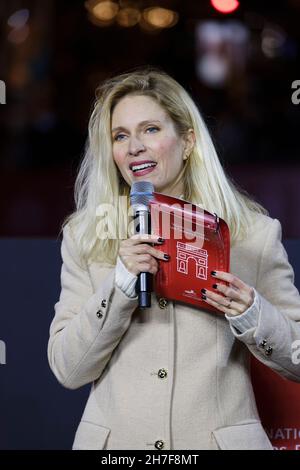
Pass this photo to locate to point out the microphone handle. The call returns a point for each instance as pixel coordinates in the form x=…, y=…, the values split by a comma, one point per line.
x=144, y=282
x=144, y=289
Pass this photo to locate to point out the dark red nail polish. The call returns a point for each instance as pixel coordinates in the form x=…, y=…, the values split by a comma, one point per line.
x=160, y=240
x=166, y=256
x=203, y=297
x=213, y=273
x=203, y=291
x=215, y=286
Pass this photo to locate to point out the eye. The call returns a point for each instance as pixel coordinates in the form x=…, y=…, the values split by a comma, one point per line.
x=152, y=129
x=119, y=137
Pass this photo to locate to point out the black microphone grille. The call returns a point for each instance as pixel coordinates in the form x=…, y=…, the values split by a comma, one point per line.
x=141, y=193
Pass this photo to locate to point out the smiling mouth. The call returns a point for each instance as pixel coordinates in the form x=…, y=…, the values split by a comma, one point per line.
x=142, y=166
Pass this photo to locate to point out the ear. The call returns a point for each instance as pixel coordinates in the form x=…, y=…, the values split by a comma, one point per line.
x=189, y=142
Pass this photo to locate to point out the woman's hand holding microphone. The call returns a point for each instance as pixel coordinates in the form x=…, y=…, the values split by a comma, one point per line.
x=138, y=255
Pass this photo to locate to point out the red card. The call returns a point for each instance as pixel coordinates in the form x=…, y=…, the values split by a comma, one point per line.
x=197, y=241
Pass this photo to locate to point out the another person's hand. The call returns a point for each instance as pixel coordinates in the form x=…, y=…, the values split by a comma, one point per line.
x=139, y=256
x=234, y=299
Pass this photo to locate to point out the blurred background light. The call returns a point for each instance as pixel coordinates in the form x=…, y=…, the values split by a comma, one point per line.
x=18, y=19
x=225, y=6
x=128, y=17
x=221, y=51
x=105, y=11
x=17, y=36
x=213, y=70
x=159, y=17
x=102, y=11
x=209, y=34
x=273, y=40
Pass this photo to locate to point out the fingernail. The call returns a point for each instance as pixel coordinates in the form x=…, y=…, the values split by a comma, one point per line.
x=166, y=256
x=160, y=240
x=203, y=291
x=213, y=273
x=203, y=297
x=215, y=286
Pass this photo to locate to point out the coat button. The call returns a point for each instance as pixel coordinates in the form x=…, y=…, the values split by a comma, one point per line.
x=263, y=344
x=159, y=445
x=103, y=303
x=268, y=351
x=162, y=302
x=99, y=314
x=162, y=373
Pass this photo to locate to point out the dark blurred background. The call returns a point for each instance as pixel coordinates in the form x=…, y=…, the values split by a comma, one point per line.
x=240, y=67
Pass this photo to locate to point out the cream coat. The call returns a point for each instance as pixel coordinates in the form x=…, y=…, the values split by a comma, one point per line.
x=205, y=400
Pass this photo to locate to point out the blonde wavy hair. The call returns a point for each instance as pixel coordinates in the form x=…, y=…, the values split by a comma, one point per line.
x=99, y=180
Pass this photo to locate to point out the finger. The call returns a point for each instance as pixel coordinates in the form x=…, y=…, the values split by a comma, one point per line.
x=220, y=299
x=232, y=309
x=146, y=258
x=145, y=248
x=146, y=238
x=148, y=268
x=233, y=293
x=228, y=277
x=211, y=302
x=145, y=264
x=142, y=248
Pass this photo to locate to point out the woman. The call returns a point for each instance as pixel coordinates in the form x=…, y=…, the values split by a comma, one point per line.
x=172, y=376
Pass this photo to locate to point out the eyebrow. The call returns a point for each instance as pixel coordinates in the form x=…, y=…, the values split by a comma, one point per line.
x=140, y=124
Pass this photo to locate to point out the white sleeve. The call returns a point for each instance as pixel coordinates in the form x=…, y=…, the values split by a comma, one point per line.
x=248, y=319
x=124, y=279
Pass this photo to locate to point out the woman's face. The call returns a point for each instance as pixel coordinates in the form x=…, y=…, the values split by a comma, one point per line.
x=146, y=145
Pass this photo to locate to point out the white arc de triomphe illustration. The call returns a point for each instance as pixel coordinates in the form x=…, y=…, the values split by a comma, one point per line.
x=186, y=252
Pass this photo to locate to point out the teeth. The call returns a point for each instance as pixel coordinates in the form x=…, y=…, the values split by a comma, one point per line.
x=142, y=166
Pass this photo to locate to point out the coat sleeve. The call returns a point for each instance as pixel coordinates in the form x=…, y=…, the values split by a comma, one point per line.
x=87, y=325
x=274, y=337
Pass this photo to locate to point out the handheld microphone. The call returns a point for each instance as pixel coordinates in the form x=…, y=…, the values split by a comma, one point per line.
x=140, y=196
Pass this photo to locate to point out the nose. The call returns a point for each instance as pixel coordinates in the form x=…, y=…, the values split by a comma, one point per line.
x=136, y=146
